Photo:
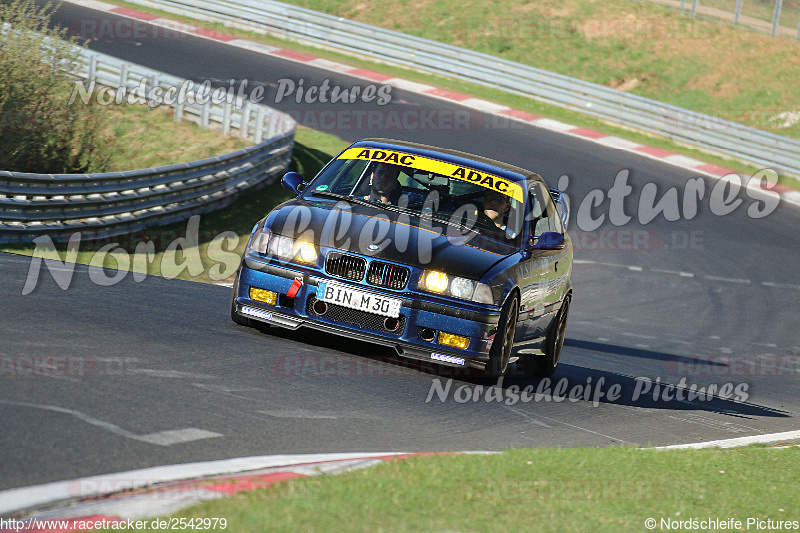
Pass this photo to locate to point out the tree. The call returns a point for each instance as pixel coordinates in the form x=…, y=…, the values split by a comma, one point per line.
x=40, y=131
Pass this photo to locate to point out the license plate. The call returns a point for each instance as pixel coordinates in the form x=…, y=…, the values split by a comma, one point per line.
x=355, y=299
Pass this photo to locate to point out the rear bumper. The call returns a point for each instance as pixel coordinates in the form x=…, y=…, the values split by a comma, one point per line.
x=417, y=315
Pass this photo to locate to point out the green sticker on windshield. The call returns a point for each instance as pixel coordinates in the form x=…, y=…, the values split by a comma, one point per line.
x=322, y=188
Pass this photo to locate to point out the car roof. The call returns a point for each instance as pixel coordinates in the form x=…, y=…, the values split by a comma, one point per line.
x=464, y=159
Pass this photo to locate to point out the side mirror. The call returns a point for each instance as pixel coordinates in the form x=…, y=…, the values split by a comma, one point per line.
x=549, y=240
x=562, y=206
x=294, y=182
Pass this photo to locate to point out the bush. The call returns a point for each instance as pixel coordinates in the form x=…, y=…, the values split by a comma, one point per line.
x=39, y=131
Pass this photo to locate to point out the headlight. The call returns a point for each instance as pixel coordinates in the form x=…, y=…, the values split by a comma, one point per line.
x=466, y=289
x=291, y=250
x=462, y=288
x=259, y=240
x=282, y=247
x=305, y=252
x=433, y=281
x=483, y=294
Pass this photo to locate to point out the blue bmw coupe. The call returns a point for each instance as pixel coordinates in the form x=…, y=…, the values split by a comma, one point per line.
x=444, y=256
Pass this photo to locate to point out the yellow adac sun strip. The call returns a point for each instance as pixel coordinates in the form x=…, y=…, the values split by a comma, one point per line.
x=488, y=181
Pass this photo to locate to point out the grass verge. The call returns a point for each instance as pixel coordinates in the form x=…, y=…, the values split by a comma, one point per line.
x=141, y=137
x=578, y=489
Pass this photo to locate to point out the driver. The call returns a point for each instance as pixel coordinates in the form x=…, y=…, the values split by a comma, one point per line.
x=495, y=207
x=384, y=187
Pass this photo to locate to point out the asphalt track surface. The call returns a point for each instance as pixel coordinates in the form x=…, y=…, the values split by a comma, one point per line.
x=160, y=375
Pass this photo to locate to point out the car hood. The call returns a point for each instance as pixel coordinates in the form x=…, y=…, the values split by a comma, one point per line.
x=401, y=238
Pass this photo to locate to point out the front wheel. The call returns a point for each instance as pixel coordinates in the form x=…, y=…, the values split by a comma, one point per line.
x=547, y=364
x=503, y=343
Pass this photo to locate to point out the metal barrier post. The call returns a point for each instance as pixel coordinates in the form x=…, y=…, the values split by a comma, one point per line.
x=798, y=29
x=259, y=133
x=92, y=73
x=245, y=120
x=226, y=117
x=204, y=112
x=123, y=76
x=776, y=17
x=176, y=116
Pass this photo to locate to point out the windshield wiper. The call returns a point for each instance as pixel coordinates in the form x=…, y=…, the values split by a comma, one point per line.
x=338, y=196
x=361, y=201
x=395, y=209
x=448, y=221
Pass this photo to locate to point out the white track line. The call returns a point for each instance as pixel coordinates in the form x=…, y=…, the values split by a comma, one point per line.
x=739, y=441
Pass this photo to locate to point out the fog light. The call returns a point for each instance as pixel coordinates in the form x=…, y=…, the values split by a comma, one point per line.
x=456, y=341
x=266, y=297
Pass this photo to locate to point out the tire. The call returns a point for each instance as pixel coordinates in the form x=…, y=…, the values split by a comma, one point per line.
x=503, y=343
x=546, y=365
x=236, y=317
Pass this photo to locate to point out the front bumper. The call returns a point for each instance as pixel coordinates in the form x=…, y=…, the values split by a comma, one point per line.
x=419, y=315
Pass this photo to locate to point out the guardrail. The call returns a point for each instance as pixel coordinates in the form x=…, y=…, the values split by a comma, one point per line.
x=774, y=21
x=295, y=23
x=101, y=205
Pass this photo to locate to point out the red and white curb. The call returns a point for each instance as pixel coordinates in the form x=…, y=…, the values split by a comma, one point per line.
x=164, y=490
x=66, y=506
x=666, y=156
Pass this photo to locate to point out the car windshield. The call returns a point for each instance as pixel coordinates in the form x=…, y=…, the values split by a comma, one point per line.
x=423, y=187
